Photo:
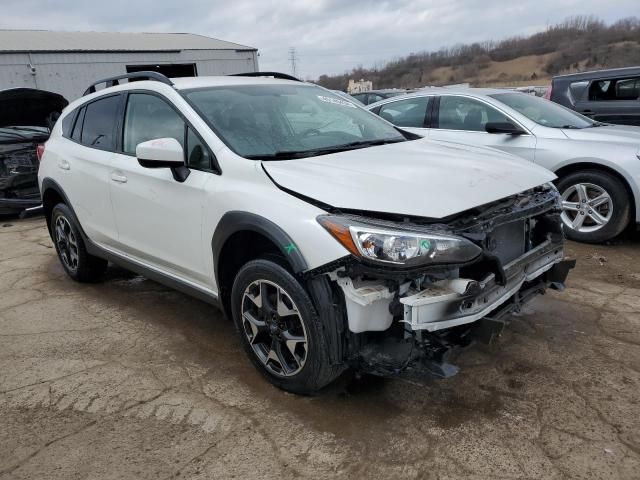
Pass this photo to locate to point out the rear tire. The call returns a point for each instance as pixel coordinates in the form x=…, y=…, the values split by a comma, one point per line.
x=280, y=329
x=596, y=206
x=72, y=252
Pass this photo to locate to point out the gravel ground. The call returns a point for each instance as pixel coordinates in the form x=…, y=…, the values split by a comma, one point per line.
x=127, y=379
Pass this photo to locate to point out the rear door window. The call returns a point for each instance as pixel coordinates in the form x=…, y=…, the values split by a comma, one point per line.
x=406, y=113
x=99, y=126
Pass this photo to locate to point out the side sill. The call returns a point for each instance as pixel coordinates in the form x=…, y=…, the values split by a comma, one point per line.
x=153, y=274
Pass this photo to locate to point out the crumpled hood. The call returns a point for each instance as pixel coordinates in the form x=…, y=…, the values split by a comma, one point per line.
x=418, y=178
x=611, y=133
x=29, y=107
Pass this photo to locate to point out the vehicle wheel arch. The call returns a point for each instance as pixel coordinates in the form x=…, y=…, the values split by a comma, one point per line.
x=243, y=236
x=52, y=194
x=583, y=165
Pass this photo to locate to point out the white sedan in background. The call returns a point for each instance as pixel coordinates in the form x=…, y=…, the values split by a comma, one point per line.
x=598, y=165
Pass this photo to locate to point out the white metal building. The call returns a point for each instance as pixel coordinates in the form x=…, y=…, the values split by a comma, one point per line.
x=67, y=62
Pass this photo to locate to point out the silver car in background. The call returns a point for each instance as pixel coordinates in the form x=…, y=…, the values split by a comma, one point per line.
x=598, y=165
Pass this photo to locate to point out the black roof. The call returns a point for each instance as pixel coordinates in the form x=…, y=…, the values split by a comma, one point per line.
x=600, y=73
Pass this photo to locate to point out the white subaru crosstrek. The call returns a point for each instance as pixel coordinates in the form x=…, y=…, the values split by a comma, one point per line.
x=333, y=239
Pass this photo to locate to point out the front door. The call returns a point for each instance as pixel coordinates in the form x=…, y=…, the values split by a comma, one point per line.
x=159, y=219
x=462, y=119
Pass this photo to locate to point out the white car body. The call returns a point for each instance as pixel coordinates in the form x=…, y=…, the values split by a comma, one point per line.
x=148, y=221
x=612, y=148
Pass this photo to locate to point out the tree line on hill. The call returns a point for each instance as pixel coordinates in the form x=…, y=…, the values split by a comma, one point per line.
x=577, y=43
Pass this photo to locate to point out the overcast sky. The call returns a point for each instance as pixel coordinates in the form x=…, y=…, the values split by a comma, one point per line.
x=331, y=36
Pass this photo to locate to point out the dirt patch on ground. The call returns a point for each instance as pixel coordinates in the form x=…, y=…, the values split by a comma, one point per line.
x=128, y=379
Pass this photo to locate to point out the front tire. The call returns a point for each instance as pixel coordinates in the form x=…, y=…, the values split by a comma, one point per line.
x=596, y=206
x=72, y=252
x=280, y=329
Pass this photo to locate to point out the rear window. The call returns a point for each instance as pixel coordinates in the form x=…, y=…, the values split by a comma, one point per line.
x=98, y=128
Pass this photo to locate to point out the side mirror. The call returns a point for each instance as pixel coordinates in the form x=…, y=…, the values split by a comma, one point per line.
x=163, y=153
x=503, y=127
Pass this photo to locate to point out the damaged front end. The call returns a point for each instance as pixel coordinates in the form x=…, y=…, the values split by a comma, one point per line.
x=414, y=289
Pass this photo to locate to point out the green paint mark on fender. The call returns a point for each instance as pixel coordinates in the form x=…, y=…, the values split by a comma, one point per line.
x=290, y=248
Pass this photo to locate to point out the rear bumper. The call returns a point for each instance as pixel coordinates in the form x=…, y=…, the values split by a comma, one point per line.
x=450, y=303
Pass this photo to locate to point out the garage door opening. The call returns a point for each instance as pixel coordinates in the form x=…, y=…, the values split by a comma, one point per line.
x=170, y=70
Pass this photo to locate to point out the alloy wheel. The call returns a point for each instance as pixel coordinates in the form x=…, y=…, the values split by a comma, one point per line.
x=586, y=207
x=274, y=328
x=67, y=243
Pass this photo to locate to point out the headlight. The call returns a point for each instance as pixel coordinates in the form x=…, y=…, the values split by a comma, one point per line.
x=395, y=245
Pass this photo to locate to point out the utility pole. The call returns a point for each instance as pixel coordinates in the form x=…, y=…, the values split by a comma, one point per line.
x=293, y=60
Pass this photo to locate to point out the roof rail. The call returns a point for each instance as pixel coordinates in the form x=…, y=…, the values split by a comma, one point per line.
x=282, y=76
x=113, y=81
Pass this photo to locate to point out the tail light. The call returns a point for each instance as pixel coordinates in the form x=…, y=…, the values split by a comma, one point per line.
x=40, y=151
x=547, y=94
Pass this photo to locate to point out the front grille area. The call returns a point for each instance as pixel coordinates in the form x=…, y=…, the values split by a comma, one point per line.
x=508, y=241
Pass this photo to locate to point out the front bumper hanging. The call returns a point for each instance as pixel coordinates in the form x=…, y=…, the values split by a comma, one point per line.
x=450, y=303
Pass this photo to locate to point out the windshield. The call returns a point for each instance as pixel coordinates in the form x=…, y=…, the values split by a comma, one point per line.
x=288, y=121
x=544, y=112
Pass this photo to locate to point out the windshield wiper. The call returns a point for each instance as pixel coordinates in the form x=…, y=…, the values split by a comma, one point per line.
x=292, y=154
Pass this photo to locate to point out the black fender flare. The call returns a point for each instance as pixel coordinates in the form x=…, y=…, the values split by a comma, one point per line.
x=330, y=310
x=237, y=221
x=50, y=184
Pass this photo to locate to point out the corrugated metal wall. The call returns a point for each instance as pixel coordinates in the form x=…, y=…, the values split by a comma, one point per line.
x=70, y=73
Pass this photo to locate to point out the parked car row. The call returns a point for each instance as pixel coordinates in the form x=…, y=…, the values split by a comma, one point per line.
x=597, y=164
x=333, y=239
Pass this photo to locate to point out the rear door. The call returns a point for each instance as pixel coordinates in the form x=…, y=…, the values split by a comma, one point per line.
x=84, y=163
x=462, y=119
x=612, y=100
x=159, y=219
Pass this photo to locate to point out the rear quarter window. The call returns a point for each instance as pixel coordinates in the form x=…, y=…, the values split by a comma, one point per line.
x=67, y=124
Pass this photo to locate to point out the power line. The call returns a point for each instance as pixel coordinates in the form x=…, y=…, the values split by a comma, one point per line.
x=293, y=60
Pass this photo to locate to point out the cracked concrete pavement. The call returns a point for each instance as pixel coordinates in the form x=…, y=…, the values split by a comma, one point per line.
x=128, y=379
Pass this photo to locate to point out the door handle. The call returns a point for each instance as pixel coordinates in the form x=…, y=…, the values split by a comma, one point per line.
x=587, y=112
x=116, y=177
x=64, y=165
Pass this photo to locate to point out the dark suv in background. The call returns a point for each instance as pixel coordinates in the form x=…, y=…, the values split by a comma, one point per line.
x=610, y=96
x=26, y=119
